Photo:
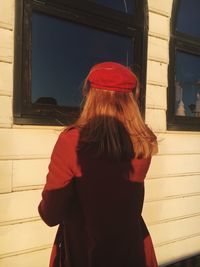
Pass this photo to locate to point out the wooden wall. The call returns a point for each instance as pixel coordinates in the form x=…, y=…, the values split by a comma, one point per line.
x=24, y=156
x=171, y=208
x=172, y=201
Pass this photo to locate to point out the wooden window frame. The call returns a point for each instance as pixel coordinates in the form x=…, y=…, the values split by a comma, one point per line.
x=86, y=13
x=183, y=43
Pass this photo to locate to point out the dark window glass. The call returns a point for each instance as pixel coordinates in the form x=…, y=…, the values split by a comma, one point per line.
x=62, y=54
x=57, y=43
x=126, y=6
x=188, y=18
x=187, y=84
x=183, y=111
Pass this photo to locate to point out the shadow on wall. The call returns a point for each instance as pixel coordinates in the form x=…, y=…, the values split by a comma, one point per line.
x=190, y=262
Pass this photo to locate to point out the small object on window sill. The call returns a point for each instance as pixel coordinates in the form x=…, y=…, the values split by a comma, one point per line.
x=192, y=108
x=197, y=110
x=181, y=109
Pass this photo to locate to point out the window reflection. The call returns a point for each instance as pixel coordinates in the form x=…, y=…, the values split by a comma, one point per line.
x=62, y=54
x=188, y=19
x=126, y=6
x=187, y=85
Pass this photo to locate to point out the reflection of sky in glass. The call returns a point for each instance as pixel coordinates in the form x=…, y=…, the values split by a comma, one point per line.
x=63, y=52
x=188, y=19
x=126, y=6
x=188, y=77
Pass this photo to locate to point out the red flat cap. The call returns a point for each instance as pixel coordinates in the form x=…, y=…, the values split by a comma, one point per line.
x=112, y=76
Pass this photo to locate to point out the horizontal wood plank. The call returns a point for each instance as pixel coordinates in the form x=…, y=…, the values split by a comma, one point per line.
x=175, y=231
x=178, y=251
x=5, y=110
x=156, y=97
x=38, y=258
x=171, y=187
x=19, y=205
x=6, y=78
x=157, y=73
x=5, y=176
x=29, y=172
x=158, y=26
x=6, y=45
x=158, y=124
x=171, y=209
x=173, y=165
x=162, y=7
x=179, y=143
x=7, y=14
x=26, y=143
x=158, y=49
x=25, y=236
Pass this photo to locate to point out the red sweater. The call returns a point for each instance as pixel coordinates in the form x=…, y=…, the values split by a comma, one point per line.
x=101, y=203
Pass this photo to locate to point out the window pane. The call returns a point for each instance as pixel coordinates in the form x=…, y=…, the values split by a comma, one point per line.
x=187, y=85
x=126, y=6
x=62, y=54
x=188, y=19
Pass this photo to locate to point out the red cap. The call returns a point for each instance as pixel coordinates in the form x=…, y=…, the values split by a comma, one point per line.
x=112, y=76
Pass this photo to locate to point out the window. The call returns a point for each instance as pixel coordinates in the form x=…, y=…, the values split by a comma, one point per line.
x=58, y=41
x=184, y=74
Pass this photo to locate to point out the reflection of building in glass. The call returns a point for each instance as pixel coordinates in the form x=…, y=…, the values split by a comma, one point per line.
x=197, y=109
x=187, y=99
x=180, y=111
x=46, y=101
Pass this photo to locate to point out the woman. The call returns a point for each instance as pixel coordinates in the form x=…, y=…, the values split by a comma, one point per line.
x=95, y=184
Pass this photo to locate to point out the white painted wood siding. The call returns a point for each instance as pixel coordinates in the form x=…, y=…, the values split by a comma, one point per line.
x=24, y=156
x=172, y=198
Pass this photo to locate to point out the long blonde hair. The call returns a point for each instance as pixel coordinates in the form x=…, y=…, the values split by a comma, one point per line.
x=112, y=121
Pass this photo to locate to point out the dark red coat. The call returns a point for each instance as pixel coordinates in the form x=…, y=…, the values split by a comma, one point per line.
x=101, y=203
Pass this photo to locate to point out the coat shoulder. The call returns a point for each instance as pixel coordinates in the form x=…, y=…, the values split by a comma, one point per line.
x=70, y=134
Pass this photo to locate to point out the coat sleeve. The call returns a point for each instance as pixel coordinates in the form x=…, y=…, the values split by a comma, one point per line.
x=58, y=192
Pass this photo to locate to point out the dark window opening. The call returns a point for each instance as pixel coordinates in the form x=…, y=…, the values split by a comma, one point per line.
x=184, y=75
x=58, y=72
x=187, y=85
x=188, y=19
x=56, y=44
